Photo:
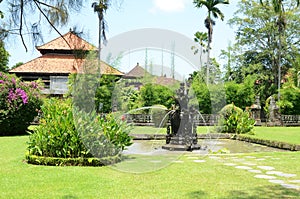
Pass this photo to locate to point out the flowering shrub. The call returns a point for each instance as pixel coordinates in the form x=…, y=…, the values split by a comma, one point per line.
x=19, y=104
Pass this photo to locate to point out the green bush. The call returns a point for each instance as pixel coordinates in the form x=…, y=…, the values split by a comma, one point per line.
x=159, y=117
x=65, y=132
x=235, y=120
x=19, y=104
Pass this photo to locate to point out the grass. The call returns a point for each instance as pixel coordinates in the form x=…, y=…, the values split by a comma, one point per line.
x=283, y=134
x=210, y=179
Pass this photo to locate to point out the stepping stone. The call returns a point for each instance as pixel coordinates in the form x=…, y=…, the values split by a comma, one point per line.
x=268, y=168
x=249, y=164
x=250, y=157
x=277, y=181
x=199, y=161
x=178, y=161
x=254, y=171
x=290, y=186
x=155, y=161
x=238, y=160
x=275, y=158
x=295, y=181
x=229, y=164
x=243, y=167
x=265, y=177
x=260, y=159
x=274, y=172
x=287, y=175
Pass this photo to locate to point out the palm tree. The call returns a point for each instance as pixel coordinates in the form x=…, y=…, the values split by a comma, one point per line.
x=213, y=11
x=278, y=7
x=100, y=8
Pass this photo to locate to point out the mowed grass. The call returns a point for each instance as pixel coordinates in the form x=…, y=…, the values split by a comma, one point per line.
x=210, y=179
x=283, y=134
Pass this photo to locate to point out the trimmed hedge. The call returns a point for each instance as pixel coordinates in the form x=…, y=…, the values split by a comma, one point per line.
x=53, y=161
x=270, y=143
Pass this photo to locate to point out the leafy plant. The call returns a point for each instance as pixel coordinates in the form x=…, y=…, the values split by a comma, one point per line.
x=66, y=132
x=19, y=104
x=235, y=120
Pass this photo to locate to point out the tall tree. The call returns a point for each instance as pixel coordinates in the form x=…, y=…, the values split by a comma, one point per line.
x=278, y=7
x=3, y=57
x=256, y=45
x=100, y=8
x=213, y=11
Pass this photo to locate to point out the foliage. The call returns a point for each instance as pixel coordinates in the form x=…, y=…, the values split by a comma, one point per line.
x=66, y=132
x=129, y=98
x=256, y=51
x=3, y=56
x=53, y=13
x=104, y=93
x=289, y=103
x=19, y=104
x=242, y=95
x=159, y=115
x=152, y=94
x=235, y=120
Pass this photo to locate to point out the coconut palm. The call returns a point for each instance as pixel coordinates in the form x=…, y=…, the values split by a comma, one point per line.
x=278, y=7
x=213, y=11
x=100, y=8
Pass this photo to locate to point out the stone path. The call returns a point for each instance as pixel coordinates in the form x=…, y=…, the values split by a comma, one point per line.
x=255, y=166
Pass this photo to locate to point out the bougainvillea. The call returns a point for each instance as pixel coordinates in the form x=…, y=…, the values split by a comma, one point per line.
x=19, y=104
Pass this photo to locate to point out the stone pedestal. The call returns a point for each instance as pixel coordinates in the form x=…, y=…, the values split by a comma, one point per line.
x=274, y=116
x=182, y=131
x=255, y=111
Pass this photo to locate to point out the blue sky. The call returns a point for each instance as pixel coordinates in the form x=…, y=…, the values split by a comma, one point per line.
x=177, y=15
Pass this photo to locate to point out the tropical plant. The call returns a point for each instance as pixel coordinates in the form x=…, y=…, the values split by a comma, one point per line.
x=235, y=120
x=4, y=55
x=19, y=104
x=278, y=6
x=213, y=11
x=66, y=132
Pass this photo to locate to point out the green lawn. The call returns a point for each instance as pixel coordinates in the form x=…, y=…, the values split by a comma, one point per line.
x=284, y=134
x=210, y=179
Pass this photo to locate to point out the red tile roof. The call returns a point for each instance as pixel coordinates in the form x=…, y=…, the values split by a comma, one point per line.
x=60, y=63
x=136, y=72
x=74, y=43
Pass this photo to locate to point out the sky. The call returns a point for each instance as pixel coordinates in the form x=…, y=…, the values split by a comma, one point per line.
x=179, y=16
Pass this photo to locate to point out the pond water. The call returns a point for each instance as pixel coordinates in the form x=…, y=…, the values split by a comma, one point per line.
x=154, y=147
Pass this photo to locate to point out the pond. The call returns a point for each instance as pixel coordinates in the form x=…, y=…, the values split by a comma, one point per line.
x=154, y=147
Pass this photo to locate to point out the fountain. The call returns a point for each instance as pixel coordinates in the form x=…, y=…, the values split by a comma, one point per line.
x=182, y=128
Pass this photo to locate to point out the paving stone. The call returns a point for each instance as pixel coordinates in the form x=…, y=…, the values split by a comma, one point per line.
x=265, y=177
x=277, y=181
x=155, y=161
x=287, y=175
x=214, y=157
x=295, y=181
x=250, y=157
x=260, y=159
x=255, y=171
x=178, y=161
x=199, y=161
x=275, y=158
x=268, y=168
x=229, y=164
x=239, y=160
x=290, y=186
x=249, y=163
x=243, y=167
x=274, y=172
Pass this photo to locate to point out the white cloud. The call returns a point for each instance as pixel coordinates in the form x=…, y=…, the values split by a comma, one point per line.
x=169, y=5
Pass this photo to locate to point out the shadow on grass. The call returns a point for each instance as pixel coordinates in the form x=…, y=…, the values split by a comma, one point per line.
x=265, y=192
